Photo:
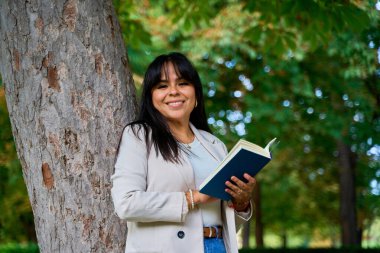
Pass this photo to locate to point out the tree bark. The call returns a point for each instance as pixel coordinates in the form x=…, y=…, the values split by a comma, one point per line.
x=259, y=228
x=69, y=93
x=347, y=164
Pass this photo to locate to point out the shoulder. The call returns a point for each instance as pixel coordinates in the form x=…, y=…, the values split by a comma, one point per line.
x=214, y=142
x=138, y=129
x=135, y=131
x=210, y=137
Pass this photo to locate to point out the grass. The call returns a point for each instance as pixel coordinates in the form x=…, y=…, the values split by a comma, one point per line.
x=19, y=248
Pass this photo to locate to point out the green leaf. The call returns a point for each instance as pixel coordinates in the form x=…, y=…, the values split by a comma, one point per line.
x=254, y=34
x=355, y=19
x=290, y=42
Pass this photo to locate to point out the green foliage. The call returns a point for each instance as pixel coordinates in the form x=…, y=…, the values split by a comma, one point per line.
x=16, y=218
x=132, y=30
x=19, y=248
x=189, y=14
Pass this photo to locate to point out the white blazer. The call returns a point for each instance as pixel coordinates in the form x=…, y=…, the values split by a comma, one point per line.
x=148, y=192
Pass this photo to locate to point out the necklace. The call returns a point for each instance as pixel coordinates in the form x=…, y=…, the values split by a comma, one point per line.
x=185, y=139
x=187, y=145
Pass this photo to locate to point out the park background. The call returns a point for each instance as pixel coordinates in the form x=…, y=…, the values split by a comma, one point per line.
x=306, y=72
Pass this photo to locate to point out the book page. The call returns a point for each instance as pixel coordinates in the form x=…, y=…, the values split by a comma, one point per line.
x=270, y=144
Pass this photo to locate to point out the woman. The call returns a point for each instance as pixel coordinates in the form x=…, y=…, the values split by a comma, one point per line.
x=163, y=157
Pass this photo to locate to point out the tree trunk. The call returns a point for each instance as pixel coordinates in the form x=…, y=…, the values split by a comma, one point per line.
x=347, y=195
x=259, y=228
x=284, y=239
x=69, y=93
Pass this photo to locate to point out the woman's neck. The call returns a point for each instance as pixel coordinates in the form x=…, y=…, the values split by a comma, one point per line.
x=182, y=132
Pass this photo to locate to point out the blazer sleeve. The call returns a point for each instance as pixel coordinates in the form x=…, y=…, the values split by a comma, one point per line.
x=242, y=217
x=129, y=183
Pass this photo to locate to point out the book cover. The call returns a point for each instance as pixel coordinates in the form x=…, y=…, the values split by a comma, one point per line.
x=244, y=157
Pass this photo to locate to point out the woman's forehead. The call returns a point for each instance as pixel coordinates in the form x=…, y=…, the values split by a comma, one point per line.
x=167, y=67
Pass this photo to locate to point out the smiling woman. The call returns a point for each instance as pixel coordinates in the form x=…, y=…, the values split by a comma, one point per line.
x=163, y=158
x=174, y=98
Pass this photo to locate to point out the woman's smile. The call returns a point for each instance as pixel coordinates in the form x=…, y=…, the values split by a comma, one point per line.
x=175, y=104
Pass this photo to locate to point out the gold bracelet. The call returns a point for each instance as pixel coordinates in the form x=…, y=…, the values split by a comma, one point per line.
x=192, y=199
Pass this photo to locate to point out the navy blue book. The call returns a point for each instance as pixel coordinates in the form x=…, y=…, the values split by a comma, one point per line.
x=244, y=157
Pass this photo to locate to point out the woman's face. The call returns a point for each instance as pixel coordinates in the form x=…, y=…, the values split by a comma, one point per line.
x=173, y=97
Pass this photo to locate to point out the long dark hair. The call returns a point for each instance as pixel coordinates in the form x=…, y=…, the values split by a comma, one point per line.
x=152, y=121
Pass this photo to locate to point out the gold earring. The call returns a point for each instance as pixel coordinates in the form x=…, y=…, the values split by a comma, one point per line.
x=196, y=103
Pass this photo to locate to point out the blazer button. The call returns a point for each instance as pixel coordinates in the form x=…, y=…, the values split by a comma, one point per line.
x=181, y=234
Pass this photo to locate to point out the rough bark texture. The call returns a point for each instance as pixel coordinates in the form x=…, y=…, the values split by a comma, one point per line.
x=69, y=93
x=349, y=235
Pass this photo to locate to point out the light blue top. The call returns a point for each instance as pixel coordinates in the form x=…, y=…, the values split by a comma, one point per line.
x=203, y=164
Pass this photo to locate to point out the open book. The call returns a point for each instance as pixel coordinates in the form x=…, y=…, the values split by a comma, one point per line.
x=244, y=157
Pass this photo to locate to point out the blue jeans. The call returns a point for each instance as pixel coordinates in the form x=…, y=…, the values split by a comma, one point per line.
x=214, y=245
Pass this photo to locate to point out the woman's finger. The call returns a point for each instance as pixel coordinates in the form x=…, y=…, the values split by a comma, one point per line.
x=233, y=187
x=233, y=194
x=247, y=186
x=239, y=183
x=238, y=195
x=250, y=180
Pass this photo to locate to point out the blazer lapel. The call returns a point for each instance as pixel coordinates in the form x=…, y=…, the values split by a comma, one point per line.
x=209, y=146
x=186, y=169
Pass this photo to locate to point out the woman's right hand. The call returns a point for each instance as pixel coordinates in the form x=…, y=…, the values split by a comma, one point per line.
x=198, y=198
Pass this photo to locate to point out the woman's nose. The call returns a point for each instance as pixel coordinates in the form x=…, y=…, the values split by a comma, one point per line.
x=173, y=90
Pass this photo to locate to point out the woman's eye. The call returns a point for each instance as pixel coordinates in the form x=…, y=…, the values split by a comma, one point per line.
x=183, y=83
x=161, y=86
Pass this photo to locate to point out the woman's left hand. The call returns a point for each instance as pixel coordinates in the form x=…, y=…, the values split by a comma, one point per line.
x=240, y=191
